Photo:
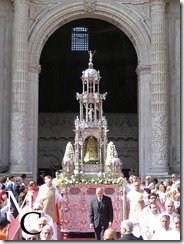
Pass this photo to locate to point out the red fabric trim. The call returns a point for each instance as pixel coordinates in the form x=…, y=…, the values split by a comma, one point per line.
x=57, y=214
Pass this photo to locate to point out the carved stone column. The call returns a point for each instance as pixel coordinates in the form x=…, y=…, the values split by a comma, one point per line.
x=159, y=89
x=18, y=144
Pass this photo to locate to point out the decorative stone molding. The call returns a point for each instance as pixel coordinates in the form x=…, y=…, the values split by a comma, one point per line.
x=142, y=11
x=18, y=148
x=20, y=57
x=35, y=68
x=20, y=2
x=37, y=10
x=89, y=5
x=141, y=70
x=159, y=137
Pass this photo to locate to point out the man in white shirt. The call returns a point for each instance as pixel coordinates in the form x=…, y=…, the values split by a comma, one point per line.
x=149, y=221
x=48, y=196
x=175, y=182
x=164, y=232
x=149, y=183
x=169, y=210
x=137, y=199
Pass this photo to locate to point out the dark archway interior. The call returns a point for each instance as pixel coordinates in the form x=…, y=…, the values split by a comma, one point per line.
x=62, y=68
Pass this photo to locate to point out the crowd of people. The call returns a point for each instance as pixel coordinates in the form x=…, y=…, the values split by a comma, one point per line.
x=38, y=217
x=152, y=211
x=152, y=208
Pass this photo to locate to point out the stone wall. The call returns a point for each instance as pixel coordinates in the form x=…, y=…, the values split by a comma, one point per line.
x=135, y=19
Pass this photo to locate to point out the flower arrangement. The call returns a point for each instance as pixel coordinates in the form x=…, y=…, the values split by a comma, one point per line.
x=69, y=151
x=76, y=180
x=111, y=155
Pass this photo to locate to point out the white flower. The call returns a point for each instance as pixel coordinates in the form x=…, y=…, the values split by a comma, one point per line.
x=75, y=172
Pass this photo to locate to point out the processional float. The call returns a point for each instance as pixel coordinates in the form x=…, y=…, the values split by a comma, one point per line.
x=92, y=160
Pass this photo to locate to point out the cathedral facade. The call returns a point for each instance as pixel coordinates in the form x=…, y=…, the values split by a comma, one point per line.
x=148, y=141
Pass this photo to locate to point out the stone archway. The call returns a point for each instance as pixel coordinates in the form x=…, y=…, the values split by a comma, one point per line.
x=125, y=20
x=117, y=15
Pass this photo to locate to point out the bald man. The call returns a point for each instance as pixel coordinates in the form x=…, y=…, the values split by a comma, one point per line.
x=101, y=213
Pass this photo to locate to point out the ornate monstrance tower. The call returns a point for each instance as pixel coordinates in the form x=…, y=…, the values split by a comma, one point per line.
x=92, y=154
x=91, y=125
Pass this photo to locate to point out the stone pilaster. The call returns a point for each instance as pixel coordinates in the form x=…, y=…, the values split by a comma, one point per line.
x=32, y=121
x=144, y=94
x=159, y=89
x=18, y=144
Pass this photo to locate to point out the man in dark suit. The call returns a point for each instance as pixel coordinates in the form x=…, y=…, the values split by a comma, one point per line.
x=126, y=232
x=11, y=188
x=101, y=213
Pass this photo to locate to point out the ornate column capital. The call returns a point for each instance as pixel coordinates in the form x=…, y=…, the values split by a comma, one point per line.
x=157, y=2
x=146, y=69
x=35, y=68
x=20, y=1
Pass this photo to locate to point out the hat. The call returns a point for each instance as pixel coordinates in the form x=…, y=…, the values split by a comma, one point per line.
x=3, y=222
